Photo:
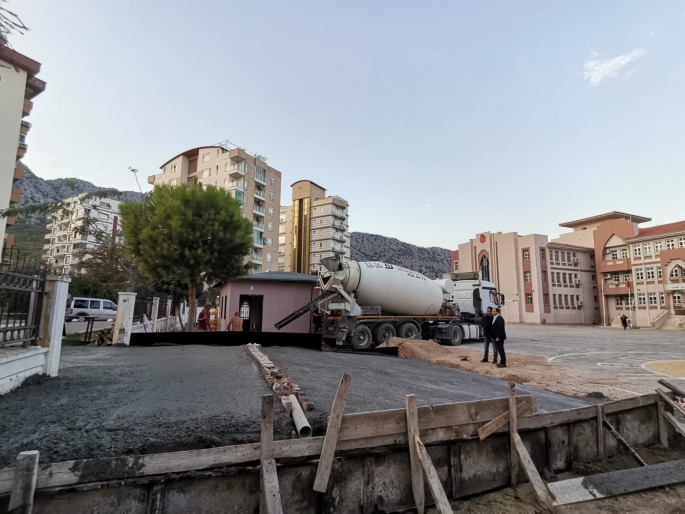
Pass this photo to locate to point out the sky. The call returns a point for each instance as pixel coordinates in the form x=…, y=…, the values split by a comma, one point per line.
x=436, y=120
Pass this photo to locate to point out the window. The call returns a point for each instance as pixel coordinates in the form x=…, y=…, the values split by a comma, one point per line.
x=205, y=157
x=281, y=240
x=630, y=300
x=272, y=198
x=626, y=277
x=526, y=276
x=662, y=298
x=545, y=299
x=270, y=226
x=641, y=299
x=281, y=229
x=554, y=300
x=272, y=181
x=563, y=256
x=674, y=272
x=269, y=241
x=677, y=298
x=282, y=218
x=566, y=300
x=529, y=298
x=652, y=298
x=526, y=255
x=94, y=304
x=573, y=301
x=639, y=274
x=650, y=273
x=271, y=211
x=624, y=253
x=670, y=244
x=542, y=257
x=456, y=266
x=658, y=273
x=637, y=251
x=617, y=278
x=544, y=276
x=619, y=301
x=268, y=257
x=558, y=278
x=648, y=248
x=681, y=242
x=658, y=246
x=564, y=277
x=614, y=254
x=174, y=168
x=67, y=259
x=556, y=255
x=206, y=172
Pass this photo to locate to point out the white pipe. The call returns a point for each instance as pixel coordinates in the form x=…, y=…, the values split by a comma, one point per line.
x=301, y=423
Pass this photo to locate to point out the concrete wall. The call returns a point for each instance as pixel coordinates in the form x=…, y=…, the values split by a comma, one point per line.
x=376, y=482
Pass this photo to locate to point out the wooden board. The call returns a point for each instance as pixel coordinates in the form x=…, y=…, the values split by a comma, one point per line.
x=26, y=474
x=414, y=458
x=501, y=420
x=323, y=471
x=267, y=427
x=673, y=387
x=532, y=473
x=661, y=420
x=676, y=406
x=271, y=491
x=513, y=433
x=615, y=483
x=625, y=444
x=601, y=445
x=439, y=496
x=679, y=427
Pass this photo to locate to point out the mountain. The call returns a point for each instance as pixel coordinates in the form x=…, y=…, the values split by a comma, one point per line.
x=432, y=262
x=29, y=230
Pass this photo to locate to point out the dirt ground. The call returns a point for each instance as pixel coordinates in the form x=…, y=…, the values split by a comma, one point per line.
x=530, y=370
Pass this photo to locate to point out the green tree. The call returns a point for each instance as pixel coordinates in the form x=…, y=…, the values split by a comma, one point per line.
x=188, y=231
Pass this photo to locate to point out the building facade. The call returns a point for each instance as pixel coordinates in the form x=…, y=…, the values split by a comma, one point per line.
x=248, y=178
x=69, y=241
x=314, y=227
x=18, y=87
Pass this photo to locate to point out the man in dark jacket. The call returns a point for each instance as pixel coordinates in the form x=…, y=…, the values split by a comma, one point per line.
x=499, y=334
x=486, y=332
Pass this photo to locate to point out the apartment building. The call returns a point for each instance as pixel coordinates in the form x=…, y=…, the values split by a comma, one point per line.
x=543, y=282
x=314, y=227
x=18, y=87
x=641, y=271
x=70, y=239
x=247, y=177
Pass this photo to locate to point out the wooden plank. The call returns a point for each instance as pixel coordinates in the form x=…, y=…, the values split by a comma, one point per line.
x=25, y=477
x=439, y=496
x=601, y=445
x=513, y=431
x=414, y=458
x=371, y=424
x=624, y=443
x=501, y=420
x=663, y=429
x=673, y=387
x=679, y=427
x=323, y=471
x=614, y=483
x=538, y=485
x=272, y=494
x=267, y=427
x=676, y=406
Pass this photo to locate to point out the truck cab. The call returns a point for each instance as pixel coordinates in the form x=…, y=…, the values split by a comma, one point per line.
x=472, y=295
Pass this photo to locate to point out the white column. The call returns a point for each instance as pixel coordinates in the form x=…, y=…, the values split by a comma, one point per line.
x=52, y=321
x=155, y=312
x=168, y=313
x=122, y=325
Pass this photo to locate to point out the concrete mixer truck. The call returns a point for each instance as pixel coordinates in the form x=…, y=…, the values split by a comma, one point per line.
x=367, y=303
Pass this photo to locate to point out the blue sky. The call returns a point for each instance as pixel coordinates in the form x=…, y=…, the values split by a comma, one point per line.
x=436, y=120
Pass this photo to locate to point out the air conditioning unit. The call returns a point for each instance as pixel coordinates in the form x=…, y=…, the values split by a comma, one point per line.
x=577, y=281
x=23, y=145
x=607, y=252
x=607, y=276
x=575, y=259
x=580, y=304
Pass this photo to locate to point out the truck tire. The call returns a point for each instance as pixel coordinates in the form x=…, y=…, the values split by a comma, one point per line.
x=409, y=331
x=383, y=332
x=456, y=336
x=361, y=338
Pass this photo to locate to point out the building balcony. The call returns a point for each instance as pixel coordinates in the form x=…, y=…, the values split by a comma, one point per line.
x=338, y=213
x=338, y=237
x=617, y=288
x=24, y=127
x=339, y=224
x=338, y=248
x=46, y=247
x=235, y=185
x=15, y=195
x=257, y=259
x=21, y=150
x=260, y=178
x=258, y=225
x=261, y=194
x=257, y=242
x=18, y=172
x=151, y=179
x=236, y=171
x=258, y=209
x=236, y=155
x=9, y=240
x=614, y=265
x=26, y=110
x=11, y=220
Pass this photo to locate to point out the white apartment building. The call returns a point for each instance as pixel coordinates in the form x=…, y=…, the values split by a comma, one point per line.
x=18, y=86
x=247, y=177
x=69, y=240
x=314, y=227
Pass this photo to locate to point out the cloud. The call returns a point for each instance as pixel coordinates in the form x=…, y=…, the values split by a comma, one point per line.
x=428, y=205
x=599, y=70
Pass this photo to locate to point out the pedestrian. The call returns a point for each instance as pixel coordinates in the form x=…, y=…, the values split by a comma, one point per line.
x=500, y=335
x=486, y=332
x=624, y=321
x=203, y=318
x=235, y=324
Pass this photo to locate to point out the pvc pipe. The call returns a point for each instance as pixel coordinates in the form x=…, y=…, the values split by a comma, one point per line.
x=301, y=423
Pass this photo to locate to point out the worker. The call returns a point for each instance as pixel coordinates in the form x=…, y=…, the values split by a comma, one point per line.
x=203, y=318
x=486, y=333
x=235, y=324
x=500, y=335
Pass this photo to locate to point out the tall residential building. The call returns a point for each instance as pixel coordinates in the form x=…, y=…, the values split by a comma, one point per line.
x=69, y=241
x=247, y=177
x=18, y=86
x=314, y=227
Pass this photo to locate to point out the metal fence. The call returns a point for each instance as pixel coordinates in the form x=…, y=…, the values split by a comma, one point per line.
x=22, y=286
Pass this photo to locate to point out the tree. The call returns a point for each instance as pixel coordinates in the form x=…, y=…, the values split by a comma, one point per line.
x=188, y=231
x=9, y=23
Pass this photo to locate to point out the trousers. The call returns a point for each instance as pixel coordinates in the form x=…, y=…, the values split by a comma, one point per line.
x=487, y=340
x=500, y=350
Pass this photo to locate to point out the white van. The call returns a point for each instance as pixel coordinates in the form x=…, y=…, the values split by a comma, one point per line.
x=100, y=309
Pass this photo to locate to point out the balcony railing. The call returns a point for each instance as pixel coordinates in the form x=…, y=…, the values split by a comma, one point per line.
x=259, y=194
x=259, y=225
x=236, y=184
x=258, y=209
x=338, y=224
x=339, y=237
x=260, y=177
x=236, y=170
x=338, y=213
x=339, y=248
x=256, y=258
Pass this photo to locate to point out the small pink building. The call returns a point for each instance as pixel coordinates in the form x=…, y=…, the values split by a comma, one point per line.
x=262, y=299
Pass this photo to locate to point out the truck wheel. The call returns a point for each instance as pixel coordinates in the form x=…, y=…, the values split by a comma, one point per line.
x=383, y=332
x=456, y=337
x=361, y=339
x=408, y=331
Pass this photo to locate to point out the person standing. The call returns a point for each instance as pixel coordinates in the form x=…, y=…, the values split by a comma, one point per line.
x=203, y=318
x=499, y=334
x=235, y=324
x=624, y=321
x=486, y=332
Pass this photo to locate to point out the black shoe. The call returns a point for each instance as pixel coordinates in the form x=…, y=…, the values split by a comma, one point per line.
x=484, y=360
x=494, y=362
x=501, y=365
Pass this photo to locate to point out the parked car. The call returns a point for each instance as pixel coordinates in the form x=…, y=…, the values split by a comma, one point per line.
x=99, y=308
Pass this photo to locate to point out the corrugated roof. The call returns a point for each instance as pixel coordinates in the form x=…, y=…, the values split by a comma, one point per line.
x=662, y=229
x=613, y=215
x=280, y=276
